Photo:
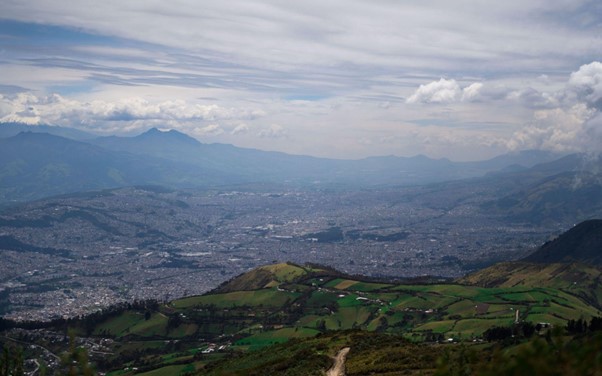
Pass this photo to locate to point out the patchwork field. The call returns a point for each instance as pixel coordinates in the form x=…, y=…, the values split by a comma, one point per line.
x=296, y=303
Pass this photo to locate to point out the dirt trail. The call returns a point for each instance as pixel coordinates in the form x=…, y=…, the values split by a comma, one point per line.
x=338, y=368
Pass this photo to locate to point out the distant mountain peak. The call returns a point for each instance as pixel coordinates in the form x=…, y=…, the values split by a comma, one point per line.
x=12, y=129
x=172, y=134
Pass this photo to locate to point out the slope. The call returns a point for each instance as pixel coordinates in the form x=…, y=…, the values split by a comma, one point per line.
x=269, y=276
x=274, y=303
x=582, y=243
x=569, y=187
x=576, y=279
x=310, y=313
x=571, y=263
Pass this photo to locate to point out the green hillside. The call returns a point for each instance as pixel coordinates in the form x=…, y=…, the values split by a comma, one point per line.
x=295, y=298
x=571, y=263
x=295, y=306
x=581, y=280
x=293, y=318
x=269, y=276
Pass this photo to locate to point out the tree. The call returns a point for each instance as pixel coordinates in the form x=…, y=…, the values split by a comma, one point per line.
x=76, y=362
x=11, y=362
x=595, y=324
x=540, y=356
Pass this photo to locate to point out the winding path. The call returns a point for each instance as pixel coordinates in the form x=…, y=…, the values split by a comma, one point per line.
x=338, y=368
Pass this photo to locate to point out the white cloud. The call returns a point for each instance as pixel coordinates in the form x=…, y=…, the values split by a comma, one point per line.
x=240, y=129
x=210, y=130
x=587, y=83
x=592, y=134
x=270, y=33
x=575, y=123
x=471, y=91
x=444, y=91
x=196, y=64
x=273, y=131
x=21, y=109
x=556, y=129
x=113, y=115
x=535, y=99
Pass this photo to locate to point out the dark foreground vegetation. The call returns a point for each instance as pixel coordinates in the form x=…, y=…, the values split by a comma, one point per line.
x=552, y=353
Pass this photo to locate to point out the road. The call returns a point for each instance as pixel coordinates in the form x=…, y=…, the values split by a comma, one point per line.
x=338, y=368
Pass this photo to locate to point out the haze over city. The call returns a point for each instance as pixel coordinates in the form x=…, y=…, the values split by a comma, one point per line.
x=343, y=79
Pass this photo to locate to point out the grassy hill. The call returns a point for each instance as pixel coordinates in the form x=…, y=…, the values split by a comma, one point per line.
x=581, y=280
x=302, y=309
x=269, y=276
x=295, y=301
x=571, y=263
x=296, y=318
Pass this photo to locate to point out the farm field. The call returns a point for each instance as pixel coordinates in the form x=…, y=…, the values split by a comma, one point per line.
x=293, y=303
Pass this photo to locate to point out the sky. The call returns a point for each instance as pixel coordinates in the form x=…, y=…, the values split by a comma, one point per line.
x=464, y=80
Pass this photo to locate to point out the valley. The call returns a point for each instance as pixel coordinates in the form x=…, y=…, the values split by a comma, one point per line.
x=299, y=316
x=341, y=188
x=70, y=255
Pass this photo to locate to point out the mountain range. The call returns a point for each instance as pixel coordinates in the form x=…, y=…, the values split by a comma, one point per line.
x=41, y=161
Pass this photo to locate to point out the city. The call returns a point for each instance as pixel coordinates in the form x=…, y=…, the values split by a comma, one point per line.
x=77, y=254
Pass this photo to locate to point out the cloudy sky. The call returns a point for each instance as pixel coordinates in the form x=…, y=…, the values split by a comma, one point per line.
x=341, y=78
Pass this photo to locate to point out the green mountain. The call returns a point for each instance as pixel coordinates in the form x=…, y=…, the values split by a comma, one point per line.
x=272, y=276
x=311, y=312
x=577, y=279
x=571, y=263
x=297, y=319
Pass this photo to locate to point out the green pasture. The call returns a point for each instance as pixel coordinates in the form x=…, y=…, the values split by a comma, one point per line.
x=353, y=316
x=464, y=308
x=476, y=327
x=174, y=370
x=414, y=302
x=268, y=298
x=286, y=272
x=183, y=330
x=156, y=325
x=268, y=338
x=340, y=283
x=437, y=326
x=369, y=286
x=322, y=298
x=396, y=318
x=119, y=325
x=350, y=300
